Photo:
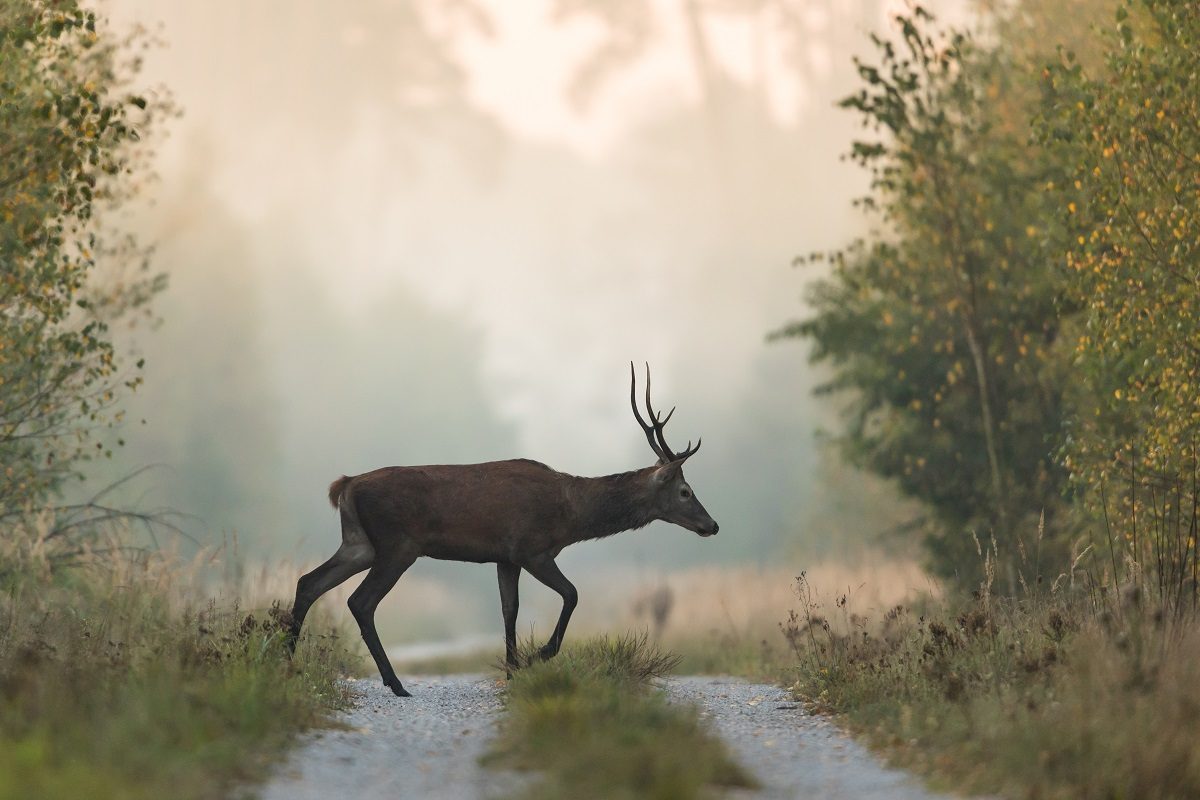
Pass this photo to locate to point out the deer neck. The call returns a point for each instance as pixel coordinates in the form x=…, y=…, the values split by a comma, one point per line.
x=611, y=504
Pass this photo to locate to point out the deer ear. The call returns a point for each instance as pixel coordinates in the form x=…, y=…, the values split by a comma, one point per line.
x=665, y=473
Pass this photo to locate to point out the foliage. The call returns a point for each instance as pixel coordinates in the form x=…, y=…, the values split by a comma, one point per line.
x=70, y=145
x=942, y=326
x=120, y=686
x=1130, y=135
x=586, y=720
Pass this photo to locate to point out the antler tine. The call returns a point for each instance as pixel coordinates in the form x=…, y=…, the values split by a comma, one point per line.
x=649, y=408
x=690, y=451
x=662, y=440
x=647, y=429
x=663, y=449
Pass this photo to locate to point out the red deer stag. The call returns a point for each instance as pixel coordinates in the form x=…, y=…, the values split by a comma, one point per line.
x=517, y=514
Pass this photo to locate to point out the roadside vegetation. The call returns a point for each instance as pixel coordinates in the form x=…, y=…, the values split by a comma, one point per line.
x=1016, y=341
x=726, y=621
x=590, y=723
x=120, y=679
x=1071, y=689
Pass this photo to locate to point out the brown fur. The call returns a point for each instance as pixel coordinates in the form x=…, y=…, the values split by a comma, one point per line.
x=335, y=490
x=503, y=511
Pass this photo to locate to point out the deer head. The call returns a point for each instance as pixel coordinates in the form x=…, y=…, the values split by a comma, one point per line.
x=674, y=501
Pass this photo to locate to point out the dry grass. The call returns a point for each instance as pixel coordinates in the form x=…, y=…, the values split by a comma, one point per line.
x=728, y=621
x=1048, y=696
x=747, y=600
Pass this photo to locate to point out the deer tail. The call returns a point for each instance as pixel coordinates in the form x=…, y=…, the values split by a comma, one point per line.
x=336, y=489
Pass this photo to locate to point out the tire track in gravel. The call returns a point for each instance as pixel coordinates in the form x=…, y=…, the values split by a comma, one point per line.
x=792, y=753
x=428, y=745
x=424, y=746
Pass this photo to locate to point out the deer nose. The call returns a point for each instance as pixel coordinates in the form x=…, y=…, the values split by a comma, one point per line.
x=716, y=527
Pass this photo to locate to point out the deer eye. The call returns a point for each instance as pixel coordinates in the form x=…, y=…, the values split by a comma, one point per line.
x=685, y=494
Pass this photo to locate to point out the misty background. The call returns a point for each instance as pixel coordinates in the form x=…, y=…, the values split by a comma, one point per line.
x=436, y=232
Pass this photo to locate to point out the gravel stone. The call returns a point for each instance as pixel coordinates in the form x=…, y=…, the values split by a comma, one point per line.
x=792, y=753
x=424, y=746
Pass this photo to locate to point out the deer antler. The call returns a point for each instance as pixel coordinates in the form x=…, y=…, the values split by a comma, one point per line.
x=654, y=430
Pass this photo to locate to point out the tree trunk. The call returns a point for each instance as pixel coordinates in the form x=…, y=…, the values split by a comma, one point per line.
x=989, y=425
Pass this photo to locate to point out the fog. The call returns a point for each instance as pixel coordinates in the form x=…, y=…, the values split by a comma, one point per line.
x=425, y=232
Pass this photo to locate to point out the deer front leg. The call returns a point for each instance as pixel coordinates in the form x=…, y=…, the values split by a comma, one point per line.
x=508, y=574
x=547, y=572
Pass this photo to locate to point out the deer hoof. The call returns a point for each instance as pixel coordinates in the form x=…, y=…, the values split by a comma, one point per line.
x=548, y=652
x=398, y=689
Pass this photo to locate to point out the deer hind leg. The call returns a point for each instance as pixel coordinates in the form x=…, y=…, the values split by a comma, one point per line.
x=508, y=575
x=355, y=555
x=363, y=602
x=548, y=573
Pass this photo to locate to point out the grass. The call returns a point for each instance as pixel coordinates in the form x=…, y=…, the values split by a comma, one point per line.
x=761, y=658
x=1064, y=695
x=725, y=621
x=113, y=684
x=590, y=723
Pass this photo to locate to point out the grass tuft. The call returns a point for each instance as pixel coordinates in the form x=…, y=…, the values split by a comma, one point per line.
x=591, y=723
x=629, y=657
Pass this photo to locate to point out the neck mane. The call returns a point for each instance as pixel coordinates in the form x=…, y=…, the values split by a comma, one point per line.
x=612, y=503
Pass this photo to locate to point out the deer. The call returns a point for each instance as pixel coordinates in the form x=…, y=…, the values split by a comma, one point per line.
x=517, y=514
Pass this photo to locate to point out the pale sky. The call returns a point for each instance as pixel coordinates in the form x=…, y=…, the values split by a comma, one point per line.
x=522, y=74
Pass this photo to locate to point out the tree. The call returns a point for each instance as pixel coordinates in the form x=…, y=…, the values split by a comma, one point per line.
x=71, y=144
x=942, y=325
x=1130, y=133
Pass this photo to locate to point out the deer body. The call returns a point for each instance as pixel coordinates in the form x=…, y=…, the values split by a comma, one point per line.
x=493, y=512
x=518, y=514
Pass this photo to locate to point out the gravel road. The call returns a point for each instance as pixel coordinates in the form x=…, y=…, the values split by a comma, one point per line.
x=792, y=753
x=428, y=745
x=424, y=746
